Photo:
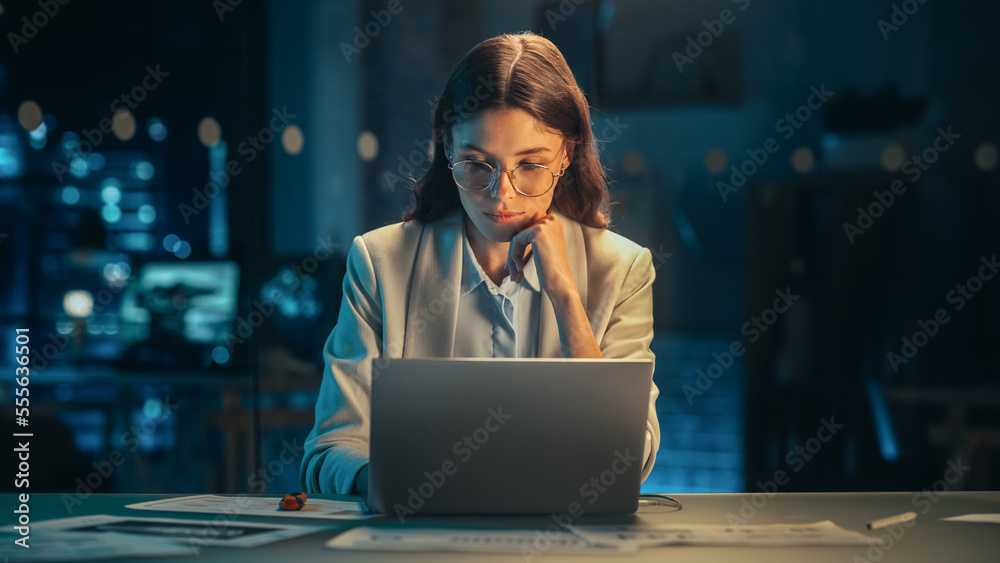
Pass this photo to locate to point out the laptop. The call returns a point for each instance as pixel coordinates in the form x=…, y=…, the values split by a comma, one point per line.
x=514, y=436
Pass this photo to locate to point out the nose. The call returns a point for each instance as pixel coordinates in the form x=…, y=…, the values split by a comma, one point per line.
x=503, y=186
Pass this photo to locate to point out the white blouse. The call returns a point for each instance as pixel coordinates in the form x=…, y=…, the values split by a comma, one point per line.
x=496, y=322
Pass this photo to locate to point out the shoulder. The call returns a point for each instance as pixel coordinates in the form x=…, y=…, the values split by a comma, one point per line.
x=391, y=239
x=398, y=243
x=614, y=264
x=604, y=249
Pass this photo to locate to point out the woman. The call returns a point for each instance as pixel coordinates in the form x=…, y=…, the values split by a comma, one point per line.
x=504, y=252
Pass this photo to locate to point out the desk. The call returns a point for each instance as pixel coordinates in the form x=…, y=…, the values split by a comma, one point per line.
x=930, y=540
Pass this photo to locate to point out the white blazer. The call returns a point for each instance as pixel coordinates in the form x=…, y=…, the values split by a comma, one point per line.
x=401, y=294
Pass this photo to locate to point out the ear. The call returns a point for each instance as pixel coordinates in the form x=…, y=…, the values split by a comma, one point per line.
x=446, y=143
x=567, y=159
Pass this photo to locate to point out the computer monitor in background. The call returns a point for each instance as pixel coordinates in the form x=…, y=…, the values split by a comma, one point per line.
x=180, y=313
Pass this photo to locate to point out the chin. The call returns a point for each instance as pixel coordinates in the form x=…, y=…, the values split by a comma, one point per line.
x=493, y=231
x=499, y=233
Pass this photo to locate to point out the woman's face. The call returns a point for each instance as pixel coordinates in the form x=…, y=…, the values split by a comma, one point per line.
x=506, y=138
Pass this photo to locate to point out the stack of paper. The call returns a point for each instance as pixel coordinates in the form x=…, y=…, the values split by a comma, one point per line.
x=84, y=546
x=816, y=533
x=105, y=537
x=517, y=541
x=257, y=506
x=594, y=539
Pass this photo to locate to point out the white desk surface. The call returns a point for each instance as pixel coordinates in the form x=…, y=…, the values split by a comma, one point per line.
x=930, y=540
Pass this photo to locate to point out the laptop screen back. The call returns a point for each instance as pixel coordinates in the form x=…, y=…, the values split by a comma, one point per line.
x=507, y=435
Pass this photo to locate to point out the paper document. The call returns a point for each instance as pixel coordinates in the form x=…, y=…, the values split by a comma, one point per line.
x=53, y=545
x=533, y=542
x=635, y=537
x=181, y=531
x=258, y=506
x=978, y=518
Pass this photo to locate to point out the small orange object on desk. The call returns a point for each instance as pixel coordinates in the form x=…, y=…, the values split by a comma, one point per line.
x=293, y=501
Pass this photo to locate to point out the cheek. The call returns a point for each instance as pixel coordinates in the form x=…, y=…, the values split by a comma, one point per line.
x=467, y=202
x=544, y=206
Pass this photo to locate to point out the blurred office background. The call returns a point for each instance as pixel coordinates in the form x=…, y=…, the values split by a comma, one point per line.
x=180, y=182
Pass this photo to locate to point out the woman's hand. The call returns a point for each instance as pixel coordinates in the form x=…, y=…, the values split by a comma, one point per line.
x=548, y=249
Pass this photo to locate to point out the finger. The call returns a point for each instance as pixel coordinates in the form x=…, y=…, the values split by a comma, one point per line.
x=538, y=220
x=517, y=275
x=518, y=244
x=521, y=262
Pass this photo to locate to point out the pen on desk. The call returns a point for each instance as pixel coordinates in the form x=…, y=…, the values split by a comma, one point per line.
x=890, y=520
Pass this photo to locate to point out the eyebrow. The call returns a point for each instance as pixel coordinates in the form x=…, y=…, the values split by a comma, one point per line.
x=535, y=150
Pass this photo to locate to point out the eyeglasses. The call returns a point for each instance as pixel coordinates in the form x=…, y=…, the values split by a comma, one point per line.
x=531, y=180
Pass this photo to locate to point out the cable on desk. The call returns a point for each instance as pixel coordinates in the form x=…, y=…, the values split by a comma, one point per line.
x=659, y=499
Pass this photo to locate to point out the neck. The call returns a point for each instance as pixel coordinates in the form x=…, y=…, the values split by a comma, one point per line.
x=492, y=256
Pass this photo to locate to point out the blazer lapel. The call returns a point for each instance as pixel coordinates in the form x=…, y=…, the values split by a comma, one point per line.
x=549, y=345
x=432, y=303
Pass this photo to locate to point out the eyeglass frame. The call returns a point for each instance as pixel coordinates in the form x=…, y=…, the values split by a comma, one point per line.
x=498, y=171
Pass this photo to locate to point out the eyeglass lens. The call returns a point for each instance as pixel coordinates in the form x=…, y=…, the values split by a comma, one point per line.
x=528, y=179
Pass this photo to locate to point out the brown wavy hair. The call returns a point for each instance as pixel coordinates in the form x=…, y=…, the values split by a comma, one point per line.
x=524, y=71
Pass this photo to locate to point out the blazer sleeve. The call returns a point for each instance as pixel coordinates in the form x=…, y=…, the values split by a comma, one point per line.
x=629, y=334
x=337, y=447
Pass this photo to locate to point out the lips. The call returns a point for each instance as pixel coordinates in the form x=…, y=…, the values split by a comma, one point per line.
x=503, y=216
